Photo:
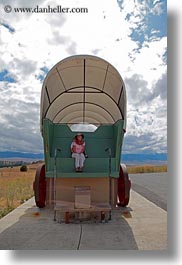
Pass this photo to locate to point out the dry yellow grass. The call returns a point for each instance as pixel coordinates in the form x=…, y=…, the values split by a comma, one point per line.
x=15, y=187
x=146, y=169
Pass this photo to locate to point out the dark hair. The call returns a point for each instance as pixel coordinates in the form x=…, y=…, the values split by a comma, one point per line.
x=81, y=136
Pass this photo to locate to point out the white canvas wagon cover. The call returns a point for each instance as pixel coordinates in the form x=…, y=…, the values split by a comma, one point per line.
x=83, y=89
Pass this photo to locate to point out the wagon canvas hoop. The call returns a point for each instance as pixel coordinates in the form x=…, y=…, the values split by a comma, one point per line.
x=83, y=89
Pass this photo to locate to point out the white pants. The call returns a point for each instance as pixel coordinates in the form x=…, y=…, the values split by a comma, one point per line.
x=79, y=159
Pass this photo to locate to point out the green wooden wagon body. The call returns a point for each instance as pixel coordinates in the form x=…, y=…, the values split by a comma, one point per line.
x=81, y=93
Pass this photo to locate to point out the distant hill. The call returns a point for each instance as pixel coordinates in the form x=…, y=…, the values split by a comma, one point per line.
x=133, y=159
x=19, y=155
x=153, y=158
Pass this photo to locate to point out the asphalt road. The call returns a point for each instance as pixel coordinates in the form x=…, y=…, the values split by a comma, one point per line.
x=152, y=186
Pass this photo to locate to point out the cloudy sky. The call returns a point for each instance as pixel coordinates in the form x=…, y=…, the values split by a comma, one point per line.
x=130, y=34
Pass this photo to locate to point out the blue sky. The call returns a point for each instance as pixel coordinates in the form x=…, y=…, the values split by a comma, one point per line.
x=7, y=26
x=5, y=76
x=131, y=35
x=152, y=20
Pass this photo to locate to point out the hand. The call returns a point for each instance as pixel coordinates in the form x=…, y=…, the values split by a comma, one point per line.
x=83, y=150
x=74, y=149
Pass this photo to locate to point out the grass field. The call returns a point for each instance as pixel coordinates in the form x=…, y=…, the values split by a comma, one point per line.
x=146, y=169
x=15, y=187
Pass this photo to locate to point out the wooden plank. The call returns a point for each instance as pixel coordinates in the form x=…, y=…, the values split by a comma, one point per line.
x=63, y=207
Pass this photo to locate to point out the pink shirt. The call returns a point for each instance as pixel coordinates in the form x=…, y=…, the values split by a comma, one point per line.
x=79, y=147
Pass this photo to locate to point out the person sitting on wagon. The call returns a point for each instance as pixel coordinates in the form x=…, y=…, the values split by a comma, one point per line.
x=78, y=151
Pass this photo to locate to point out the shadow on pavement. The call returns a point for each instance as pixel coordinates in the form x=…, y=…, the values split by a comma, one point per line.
x=36, y=230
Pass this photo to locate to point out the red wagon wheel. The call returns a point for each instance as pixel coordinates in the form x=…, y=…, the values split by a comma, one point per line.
x=124, y=186
x=39, y=186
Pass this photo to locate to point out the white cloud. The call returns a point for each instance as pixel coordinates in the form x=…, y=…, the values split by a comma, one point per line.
x=41, y=40
x=158, y=8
